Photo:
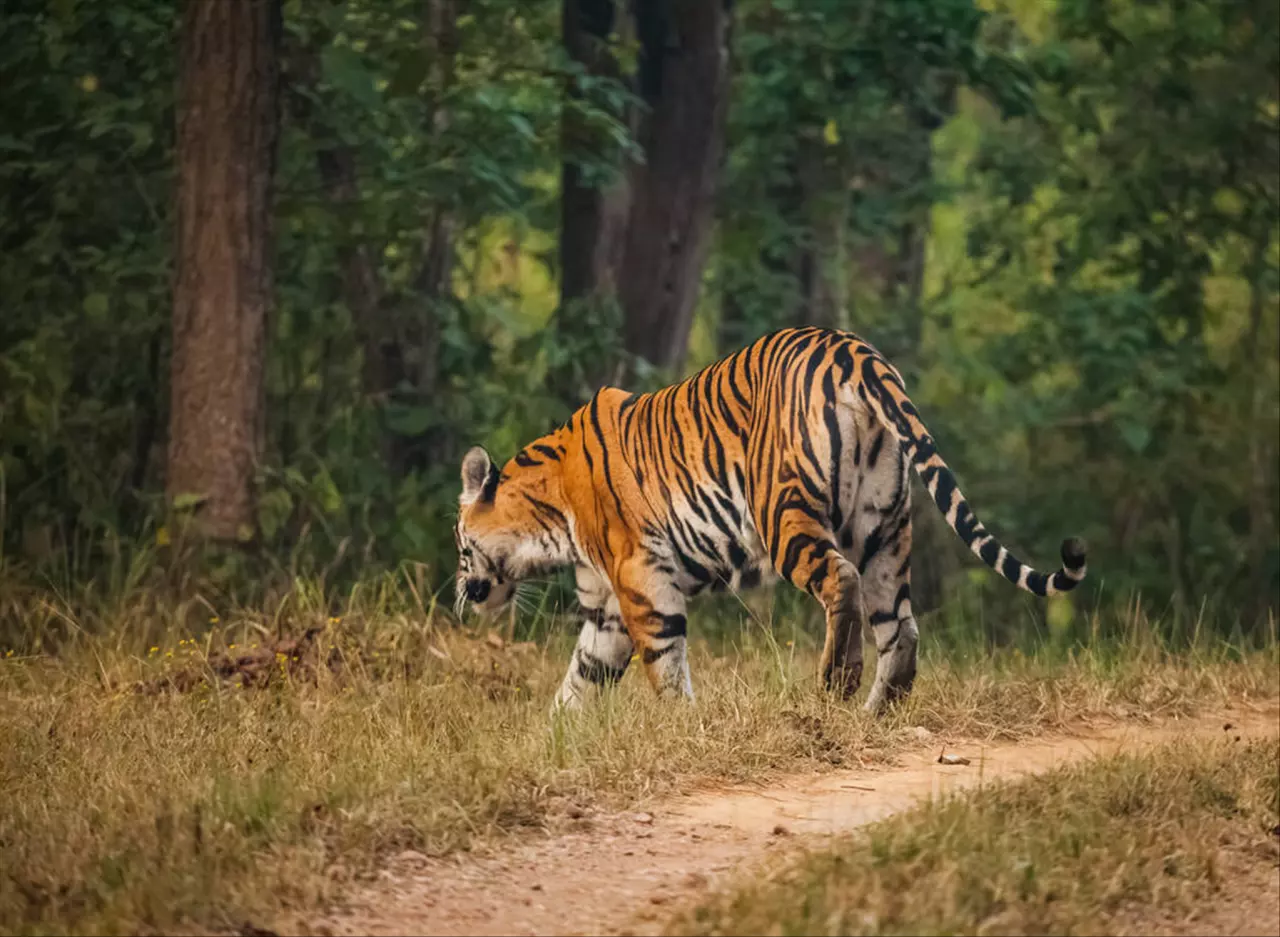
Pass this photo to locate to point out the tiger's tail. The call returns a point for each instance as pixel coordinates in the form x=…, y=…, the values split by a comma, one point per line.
x=888, y=399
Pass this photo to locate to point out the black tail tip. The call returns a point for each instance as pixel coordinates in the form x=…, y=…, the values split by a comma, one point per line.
x=1073, y=553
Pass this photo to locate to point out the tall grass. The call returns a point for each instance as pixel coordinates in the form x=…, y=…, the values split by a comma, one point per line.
x=191, y=763
x=1123, y=843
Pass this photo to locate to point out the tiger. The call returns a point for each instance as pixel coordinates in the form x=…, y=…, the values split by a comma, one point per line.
x=785, y=460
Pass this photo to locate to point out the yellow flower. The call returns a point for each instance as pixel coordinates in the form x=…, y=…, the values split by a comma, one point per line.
x=213, y=620
x=153, y=650
x=232, y=646
x=9, y=653
x=334, y=621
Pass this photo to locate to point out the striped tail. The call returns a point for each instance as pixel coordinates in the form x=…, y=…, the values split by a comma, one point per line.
x=889, y=400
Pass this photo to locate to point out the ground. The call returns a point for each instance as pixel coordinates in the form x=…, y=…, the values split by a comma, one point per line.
x=296, y=770
x=629, y=872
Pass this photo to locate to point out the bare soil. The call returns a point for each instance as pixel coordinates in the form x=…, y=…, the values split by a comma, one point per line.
x=627, y=873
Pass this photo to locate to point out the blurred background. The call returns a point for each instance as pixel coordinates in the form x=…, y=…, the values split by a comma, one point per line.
x=268, y=268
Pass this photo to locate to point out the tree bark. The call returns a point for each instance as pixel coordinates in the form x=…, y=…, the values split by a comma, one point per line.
x=228, y=123
x=1261, y=437
x=433, y=284
x=361, y=283
x=592, y=219
x=684, y=79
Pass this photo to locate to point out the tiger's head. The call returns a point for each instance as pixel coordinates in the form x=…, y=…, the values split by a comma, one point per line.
x=511, y=525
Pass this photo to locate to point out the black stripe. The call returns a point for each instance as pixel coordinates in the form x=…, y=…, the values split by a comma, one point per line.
x=673, y=626
x=548, y=509
x=597, y=671
x=990, y=552
x=874, y=455
x=650, y=654
x=604, y=449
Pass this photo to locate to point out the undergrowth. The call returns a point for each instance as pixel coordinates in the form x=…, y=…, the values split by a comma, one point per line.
x=186, y=766
x=1114, y=844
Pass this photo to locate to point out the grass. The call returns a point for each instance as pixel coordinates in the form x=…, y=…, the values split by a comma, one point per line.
x=254, y=776
x=1115, y=844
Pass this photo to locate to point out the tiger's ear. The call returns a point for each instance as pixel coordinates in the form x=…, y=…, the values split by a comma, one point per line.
x=479, y=476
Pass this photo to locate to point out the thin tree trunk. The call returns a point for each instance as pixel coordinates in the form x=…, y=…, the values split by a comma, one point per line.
x=684, y=78
x=936, y=556
x=362, y=288
x=228, y=124
x=433, y=284
x=592, y=219
x=147, y=404
x=1261, y=437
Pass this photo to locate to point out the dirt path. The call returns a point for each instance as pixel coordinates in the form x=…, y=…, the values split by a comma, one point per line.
x=626, y=873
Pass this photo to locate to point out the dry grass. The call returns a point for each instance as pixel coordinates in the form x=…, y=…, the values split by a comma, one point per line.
x=1113, y=845
x=181, y=777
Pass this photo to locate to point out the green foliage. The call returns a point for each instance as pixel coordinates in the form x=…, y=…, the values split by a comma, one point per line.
x=1133, y=222
x=829, y=141
x=87, y=266
x=85, y=171
x=1060, y=220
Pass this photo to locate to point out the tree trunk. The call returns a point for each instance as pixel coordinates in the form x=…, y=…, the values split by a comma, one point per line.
x=592, y=219
x=684, y=79
x=1261, y=437
x=362, y=288
x=228, y=123
x=433, y=284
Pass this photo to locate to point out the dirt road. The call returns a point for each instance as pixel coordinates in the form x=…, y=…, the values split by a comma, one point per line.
x=626, y=873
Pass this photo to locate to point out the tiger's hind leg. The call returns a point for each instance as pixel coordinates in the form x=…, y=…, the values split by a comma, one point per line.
x=809, y=558
x=887, y=590
x=604, y=647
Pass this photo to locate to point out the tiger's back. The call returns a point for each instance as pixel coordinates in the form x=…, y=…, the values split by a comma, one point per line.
x=788, y=458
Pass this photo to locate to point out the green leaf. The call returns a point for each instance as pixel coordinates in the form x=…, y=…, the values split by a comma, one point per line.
x=326, y=493
x=345, y=70
x=96, y=306
x=409, y=420
x=186, y=501
x=1136, y=435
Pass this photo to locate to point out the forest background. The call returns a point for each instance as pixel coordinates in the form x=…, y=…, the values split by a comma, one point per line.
x=268, y=268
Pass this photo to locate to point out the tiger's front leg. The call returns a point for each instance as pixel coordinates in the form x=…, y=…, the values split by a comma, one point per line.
x=604, y=647
x=653, y=610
